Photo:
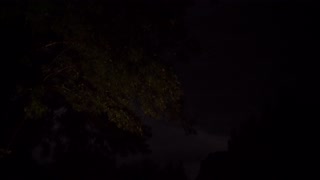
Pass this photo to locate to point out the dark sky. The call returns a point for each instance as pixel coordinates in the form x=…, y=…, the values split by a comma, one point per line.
x=225, y=83
x=247, y=56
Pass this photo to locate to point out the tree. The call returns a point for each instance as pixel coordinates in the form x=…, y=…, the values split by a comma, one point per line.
x=84, y=71
x=83, y=74
x=99, y=61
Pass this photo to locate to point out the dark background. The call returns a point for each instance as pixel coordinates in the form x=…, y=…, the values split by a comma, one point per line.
x=240, y=64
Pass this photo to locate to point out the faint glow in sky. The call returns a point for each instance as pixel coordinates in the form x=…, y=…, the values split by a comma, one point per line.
x=170, y=143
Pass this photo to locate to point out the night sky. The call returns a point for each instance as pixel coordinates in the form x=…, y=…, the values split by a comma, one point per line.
x=233, y=78
x=239, y=66
x=246, y=59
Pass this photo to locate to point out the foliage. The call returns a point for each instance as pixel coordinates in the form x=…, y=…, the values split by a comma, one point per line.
x=91, y=73
x=4, y=153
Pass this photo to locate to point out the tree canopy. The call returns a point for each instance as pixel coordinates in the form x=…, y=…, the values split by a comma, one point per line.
x=75, y=57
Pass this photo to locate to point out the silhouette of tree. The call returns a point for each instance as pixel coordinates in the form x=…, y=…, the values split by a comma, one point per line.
x=83, y=75
x=97, y=57
x=83, y=68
